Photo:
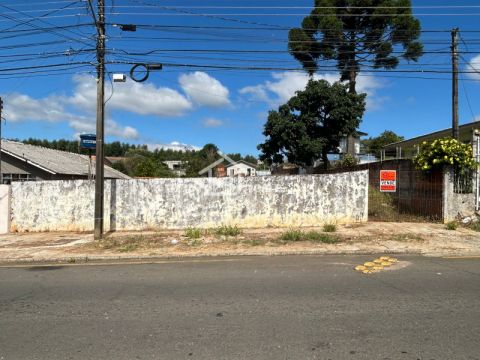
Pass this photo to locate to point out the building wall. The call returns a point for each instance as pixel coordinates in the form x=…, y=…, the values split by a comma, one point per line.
x=12, y=165
x=4, y=209
x=456, y=206
x=203, y=202
x=240, y=169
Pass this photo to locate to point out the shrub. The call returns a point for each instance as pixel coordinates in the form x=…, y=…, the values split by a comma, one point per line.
x=452, y=225
x=347, y=161
x=316, y=236
x=228, y=230
x=329, y=227
x=193, y=233
x=475, y=226
x=295, y=235
x=292, y=235
x=446, y=151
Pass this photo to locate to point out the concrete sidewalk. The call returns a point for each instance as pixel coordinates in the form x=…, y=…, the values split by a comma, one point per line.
x=368, y=238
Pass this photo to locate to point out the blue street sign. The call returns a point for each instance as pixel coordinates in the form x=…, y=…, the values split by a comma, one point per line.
x=88, y=141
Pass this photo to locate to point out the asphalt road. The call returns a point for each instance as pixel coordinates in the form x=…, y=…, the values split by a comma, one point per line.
x=293, y=307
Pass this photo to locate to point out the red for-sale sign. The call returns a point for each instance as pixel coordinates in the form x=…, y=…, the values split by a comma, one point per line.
x=388, y=180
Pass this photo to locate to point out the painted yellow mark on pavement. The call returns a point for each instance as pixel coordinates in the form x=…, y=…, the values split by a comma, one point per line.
x=376, y=265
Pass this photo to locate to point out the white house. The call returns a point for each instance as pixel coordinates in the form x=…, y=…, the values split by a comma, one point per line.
x=241, y=168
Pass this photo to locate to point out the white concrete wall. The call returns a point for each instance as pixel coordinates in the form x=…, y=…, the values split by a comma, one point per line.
x=456, y=206
x=4, y=209
x=201, y=202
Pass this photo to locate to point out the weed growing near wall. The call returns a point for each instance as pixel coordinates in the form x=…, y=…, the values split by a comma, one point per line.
x=228, y=230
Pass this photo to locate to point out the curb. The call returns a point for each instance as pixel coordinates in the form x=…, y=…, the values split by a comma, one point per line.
x=72, y=260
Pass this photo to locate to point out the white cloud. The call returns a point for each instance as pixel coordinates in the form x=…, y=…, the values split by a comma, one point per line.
x=78, y=108
x=53, y=108
x=174, y=145
x=204, y=90
x=112, y=128
x=212, y=123
x=284, y=85
x=473, y=67
x=138, y=98
x=20, y=107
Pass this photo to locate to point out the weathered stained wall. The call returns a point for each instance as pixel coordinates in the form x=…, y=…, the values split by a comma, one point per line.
x=456, y=206
x=202, y=202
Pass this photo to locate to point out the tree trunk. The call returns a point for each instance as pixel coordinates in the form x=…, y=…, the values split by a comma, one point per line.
x=352, y=80
x=325, y=161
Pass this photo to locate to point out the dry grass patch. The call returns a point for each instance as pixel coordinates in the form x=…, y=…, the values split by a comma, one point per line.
x=406, y=237
x=131, y=243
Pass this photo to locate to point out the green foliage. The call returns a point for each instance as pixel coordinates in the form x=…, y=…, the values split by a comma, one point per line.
x=354, y=33
x=139, y=161
x=315, y=236
x=374, y=145
x=446, y=151
x=295, y=235
x=347, y=160
x=193, y=233
x=452, y=225
x=292, y=235
x=329, y=227
x=228, y=230
x=311, y=124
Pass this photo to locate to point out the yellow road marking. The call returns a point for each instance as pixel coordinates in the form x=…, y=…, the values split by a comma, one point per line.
x=371, y=267
x=462, y=257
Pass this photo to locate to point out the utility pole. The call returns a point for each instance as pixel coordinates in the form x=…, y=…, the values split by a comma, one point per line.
x=99, y=171
x=455, y=133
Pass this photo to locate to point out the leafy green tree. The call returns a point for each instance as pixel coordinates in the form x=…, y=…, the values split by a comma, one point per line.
x=251, y=159
x=311, y=124
x=120, y=166
x=356, y=34
x=374, y=145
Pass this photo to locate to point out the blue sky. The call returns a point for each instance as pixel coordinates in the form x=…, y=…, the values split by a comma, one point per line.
x=197, y=105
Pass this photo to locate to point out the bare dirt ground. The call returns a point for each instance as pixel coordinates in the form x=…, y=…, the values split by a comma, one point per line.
x=373, y=237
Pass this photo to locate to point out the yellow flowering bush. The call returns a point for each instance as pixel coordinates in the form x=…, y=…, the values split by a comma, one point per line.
x=446, y=151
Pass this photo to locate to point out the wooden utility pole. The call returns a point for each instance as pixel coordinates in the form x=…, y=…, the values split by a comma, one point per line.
x=99, y=161
x=455, y=133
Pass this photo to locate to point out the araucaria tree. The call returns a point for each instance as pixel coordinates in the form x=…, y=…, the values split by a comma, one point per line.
x=356, y=34
x=310, y=125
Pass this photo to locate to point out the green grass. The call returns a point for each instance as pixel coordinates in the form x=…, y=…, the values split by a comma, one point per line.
x=452, y=225
x=475, y=226
x=315, y=236
x=193, y=233
x=329, y=227
x=294, y=235
x=227, y=230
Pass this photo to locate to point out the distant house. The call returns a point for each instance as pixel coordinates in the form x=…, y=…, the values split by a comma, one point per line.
x=23, y=162
x=241, y=168
x=177, y=167
x=409, y=148
x=225, y=166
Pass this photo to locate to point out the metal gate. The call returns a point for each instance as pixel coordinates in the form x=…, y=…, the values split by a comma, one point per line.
x=418, y=196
